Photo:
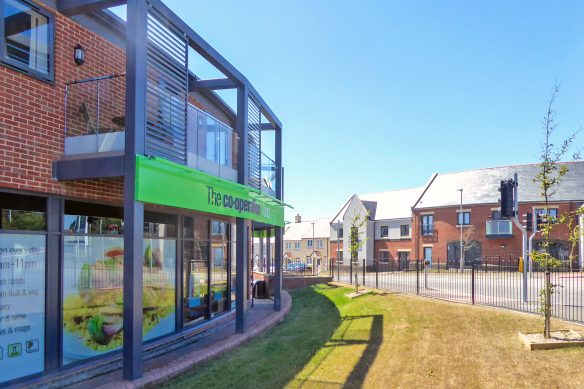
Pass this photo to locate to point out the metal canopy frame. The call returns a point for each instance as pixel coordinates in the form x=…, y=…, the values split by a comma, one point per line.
x=135, y=113
x=196, y=42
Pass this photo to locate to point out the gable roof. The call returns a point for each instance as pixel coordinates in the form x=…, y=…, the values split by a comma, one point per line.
x=303, y=230
x=481, y=186
x=393, y=204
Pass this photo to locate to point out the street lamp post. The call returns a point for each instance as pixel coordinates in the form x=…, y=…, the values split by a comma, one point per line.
x=461, y=242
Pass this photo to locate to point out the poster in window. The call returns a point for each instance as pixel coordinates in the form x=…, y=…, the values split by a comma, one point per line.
x=22, y=305
x=93, y=293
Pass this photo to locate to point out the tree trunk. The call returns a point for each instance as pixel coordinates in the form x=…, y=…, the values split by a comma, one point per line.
x=548, y=306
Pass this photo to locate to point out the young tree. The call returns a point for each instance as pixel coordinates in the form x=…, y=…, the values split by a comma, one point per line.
x=469, y=239
x=356, y=242
x=549, y=178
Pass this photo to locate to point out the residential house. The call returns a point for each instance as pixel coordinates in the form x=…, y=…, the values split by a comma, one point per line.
x=307, y=242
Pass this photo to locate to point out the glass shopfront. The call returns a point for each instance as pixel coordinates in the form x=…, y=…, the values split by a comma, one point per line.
x=22, y=286
x=207, y=264
x=93, y=283
x=219, y=260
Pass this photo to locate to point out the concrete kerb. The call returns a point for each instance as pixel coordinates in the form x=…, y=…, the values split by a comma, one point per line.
x=188, y=361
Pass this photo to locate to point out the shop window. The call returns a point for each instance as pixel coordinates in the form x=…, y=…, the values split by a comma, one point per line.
x=219, y=256
x=196, y=269
x=22, y=267
x=27, y=38
x=93, y=281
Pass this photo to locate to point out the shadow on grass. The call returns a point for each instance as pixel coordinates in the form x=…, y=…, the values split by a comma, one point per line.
x=275, y=358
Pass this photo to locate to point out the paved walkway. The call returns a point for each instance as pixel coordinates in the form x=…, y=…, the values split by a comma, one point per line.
x=261, y=318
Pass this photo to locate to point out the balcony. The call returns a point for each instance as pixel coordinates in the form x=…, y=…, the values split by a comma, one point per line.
x=95, y=123
x=499, y=229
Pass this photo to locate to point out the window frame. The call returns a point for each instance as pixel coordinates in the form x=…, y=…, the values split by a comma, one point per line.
x=319, y=244
x=14, y=64
x=381, y=229
x=309, y=243
x=464, y=213
x=401, y=231
x=296, y=246
x=537, y=211
x=429, y=230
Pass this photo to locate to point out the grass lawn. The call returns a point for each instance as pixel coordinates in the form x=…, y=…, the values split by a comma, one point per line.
x=391, y=341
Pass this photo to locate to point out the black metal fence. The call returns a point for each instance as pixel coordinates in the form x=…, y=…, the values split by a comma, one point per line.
x=494, y=281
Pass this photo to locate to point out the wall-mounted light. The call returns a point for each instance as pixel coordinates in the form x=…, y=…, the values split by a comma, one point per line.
x=79, y=55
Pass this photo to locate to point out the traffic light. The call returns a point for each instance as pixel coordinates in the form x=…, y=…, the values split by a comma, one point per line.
x=528, y=221
x=507, y=201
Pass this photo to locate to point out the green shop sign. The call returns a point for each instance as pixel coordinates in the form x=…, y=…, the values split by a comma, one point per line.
x=159, y=181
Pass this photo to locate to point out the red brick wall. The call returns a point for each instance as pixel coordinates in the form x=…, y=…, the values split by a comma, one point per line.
x=393, y=246
x=447, y=231
x=32, y=116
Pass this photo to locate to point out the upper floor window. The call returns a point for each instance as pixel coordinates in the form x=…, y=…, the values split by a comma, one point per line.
x=340, y=232
x=463, y=218
x=319, y=243
x=288, y=245
x=384, y=231
x=309, y=243
x=427, y=224
x=404, y=230
x=296, y=245
x=551, y=212
x=27, y=38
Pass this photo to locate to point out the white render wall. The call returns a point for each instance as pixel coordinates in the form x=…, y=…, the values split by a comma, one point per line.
x=394, y=228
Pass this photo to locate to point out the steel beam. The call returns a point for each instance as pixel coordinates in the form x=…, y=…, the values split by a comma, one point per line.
x=76, y=7
x=136, y=78
x=278, y=242
x=87, y=168
x=53, y=326
x=241, y=247
x=278, y=256
x=211, y=84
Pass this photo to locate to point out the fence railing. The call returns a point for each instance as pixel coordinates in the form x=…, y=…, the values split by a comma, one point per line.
x=493, y=281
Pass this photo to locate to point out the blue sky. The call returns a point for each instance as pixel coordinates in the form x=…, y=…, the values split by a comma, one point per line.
x=378, y=95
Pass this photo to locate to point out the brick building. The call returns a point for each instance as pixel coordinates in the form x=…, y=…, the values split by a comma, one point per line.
x=426, y=222
x=125, y=181
x=438, y=218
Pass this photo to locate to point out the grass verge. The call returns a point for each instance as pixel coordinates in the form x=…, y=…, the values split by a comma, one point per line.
x=391, y=340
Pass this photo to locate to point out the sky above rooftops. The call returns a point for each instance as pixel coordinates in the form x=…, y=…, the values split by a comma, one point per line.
x=378, y=95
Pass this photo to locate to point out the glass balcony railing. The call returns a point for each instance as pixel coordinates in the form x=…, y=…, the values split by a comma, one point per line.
x=268, y=175
x=499, y=228
x=95, y=123
x=95, y=115
x=211, y=145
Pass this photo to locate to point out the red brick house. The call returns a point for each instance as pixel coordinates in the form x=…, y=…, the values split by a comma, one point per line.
x=438, y=219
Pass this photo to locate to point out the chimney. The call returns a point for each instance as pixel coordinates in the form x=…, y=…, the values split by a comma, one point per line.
x=297, y=218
